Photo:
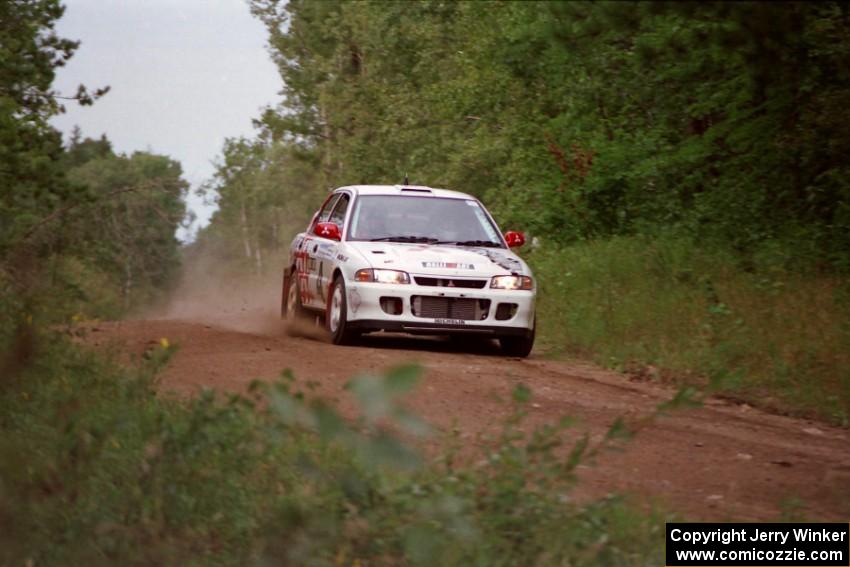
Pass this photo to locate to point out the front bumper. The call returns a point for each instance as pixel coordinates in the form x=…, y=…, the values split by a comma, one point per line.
x=365, y=312
x=368, y=325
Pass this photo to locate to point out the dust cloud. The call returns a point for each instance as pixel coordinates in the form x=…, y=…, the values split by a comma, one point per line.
x=212, y=294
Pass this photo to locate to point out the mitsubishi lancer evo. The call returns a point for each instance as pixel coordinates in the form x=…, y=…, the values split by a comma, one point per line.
x=410, y=259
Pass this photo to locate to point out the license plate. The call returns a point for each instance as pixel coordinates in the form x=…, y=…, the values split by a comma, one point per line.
x=450, y=321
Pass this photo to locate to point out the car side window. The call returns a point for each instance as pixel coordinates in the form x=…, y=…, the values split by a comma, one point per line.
x=325, y=213
x=338, y=215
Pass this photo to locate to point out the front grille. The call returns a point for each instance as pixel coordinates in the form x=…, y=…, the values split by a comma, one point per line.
x=462, y=308
x=450, y=282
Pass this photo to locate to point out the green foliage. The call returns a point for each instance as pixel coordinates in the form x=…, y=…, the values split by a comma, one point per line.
x=31, y=175
x=29, y=51
x=575, y=120
x=82, y=230
x=127, y=231
x=109, y=252
x=669, y=309
x=266, y=193
x=95, y=467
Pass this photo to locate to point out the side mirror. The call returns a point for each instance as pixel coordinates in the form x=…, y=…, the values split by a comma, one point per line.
x=327, y=230
x=514, y=238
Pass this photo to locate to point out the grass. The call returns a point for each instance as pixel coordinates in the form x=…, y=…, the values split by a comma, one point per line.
x=670, y=310
x=97, y=468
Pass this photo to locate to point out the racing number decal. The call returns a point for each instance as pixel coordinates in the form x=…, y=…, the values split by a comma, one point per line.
x=301, y=267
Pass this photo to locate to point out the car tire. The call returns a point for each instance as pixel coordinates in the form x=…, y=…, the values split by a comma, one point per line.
x=336, y=315
x=293, y=309
x=519, y=346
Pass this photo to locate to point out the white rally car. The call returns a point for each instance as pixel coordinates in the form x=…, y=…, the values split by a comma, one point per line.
x=410, y=259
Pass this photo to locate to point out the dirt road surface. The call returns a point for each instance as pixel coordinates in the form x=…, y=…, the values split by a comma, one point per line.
x=718, y=462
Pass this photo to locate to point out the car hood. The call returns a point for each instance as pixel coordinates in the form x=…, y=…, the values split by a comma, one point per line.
x=433, y=259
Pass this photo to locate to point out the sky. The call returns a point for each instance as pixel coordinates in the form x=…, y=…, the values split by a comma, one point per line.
x=184, y=75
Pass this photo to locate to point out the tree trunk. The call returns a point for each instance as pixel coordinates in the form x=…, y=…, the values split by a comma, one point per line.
x=276, y=228
x=246, y=241
x=258, y=259
x=328, y=141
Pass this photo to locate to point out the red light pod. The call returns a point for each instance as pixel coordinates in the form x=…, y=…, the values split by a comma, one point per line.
x=514, y=238
x=327, y=230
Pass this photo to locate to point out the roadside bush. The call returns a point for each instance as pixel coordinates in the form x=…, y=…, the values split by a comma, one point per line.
x=96, y=468
x=668, y=308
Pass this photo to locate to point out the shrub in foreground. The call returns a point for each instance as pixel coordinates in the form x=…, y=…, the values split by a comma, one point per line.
x=95, y=467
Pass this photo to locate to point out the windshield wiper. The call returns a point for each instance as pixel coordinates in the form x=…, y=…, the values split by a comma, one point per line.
x=482, y=243
x=412, y=239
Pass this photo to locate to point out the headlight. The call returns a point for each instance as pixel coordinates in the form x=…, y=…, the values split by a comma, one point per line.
x=512, y=282
x=382, y=276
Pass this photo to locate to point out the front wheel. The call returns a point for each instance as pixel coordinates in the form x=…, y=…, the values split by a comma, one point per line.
x=336, y=317
x=519, y=346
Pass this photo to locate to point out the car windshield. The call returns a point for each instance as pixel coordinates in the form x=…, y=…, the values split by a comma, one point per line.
x=403, y=218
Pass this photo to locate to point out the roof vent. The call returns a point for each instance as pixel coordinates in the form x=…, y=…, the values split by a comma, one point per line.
x=415, y=189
